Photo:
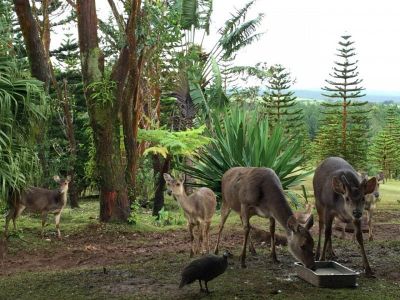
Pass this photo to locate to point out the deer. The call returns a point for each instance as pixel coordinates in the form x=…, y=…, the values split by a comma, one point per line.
x=251, y=191
x=340, y=192
x=370, y=205
x=199, y=208
x=43, y=201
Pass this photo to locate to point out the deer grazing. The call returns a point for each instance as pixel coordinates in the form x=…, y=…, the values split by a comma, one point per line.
x=40, y=200
x=340, y=192
x=199, y=208
x=258, y=191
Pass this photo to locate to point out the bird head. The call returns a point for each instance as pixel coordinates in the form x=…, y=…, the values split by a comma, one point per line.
x=227, y=254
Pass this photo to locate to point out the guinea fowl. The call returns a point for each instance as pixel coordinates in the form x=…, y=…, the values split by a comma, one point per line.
x=204, y=269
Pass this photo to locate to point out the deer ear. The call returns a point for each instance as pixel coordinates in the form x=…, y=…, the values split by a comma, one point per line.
x=369, y=186
x=292, y=224
x=310, y=222
x=338, y=186
x=68, y=178
x=56, y=178
x=167, y=177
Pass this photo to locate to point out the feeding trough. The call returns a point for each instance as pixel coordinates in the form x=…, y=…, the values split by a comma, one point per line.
x=329, y=274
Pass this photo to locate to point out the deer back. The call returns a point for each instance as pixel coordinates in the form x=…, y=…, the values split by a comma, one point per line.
x=259, y=188
x=203, y=202
x=39, y=199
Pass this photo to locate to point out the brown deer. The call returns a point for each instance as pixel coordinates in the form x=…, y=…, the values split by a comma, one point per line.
x=258, y=191
x=40, y=200
x=199, y=208
x=370, y=205
x=340, y=192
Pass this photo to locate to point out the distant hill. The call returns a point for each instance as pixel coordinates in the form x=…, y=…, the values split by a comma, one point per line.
x=370, y=97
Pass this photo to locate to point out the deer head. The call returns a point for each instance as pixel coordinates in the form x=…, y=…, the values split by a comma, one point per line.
x=174, y=186
x=300, y=241
x=353, y=193
x=62, y=183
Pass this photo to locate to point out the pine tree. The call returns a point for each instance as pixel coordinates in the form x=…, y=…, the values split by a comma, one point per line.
x=383, y=153
x=393, y=130
x=281, y=103
x=343, y=90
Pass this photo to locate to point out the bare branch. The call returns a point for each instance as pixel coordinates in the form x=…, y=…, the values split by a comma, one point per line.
x=118, y=16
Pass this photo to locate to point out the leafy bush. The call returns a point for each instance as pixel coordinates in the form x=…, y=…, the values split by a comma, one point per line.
x=244, y=138
x=166, y=218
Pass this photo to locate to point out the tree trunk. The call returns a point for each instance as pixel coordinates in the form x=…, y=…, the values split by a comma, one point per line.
x=36, y=53
x=114, y=202
x=159, y=170
x=38, y=62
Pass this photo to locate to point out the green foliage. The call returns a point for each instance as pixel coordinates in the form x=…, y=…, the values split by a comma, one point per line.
x=103, y=90
x=135, y=211
x=243, y=138
x=167, y=218
x=22, y=109
x=385, y=149
x=173, y=143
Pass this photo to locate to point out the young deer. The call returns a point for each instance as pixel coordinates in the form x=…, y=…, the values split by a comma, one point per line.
x=258, y=191
x=370, y=205
x=40, y=200
x=199, y=208
x=339, y=192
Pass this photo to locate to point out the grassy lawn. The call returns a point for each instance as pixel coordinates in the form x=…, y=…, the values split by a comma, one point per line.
x=144, y=261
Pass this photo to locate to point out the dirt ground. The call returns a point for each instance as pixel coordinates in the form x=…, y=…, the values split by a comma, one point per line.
x=98, y=247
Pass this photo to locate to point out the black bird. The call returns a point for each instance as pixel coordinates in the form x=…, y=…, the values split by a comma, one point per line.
x=204, y=269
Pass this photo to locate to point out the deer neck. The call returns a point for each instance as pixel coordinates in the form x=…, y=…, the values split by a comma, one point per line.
x=63, y=196
x=184, y=202
x=281, y=212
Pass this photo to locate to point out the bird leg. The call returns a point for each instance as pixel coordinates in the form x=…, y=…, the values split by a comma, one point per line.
x=207, y=291
x=201, y=287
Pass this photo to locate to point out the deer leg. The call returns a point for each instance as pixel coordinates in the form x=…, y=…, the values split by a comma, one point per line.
x=320, y=227
x=368, y=270
x=272, y=231
x=57, y=219
x=328, y=235
x=190, y=228
x=246, y=226
x=251, y=245
x=225, y=210
x=9, y=215
x=200, y=237
x=44, y=219
x=17, y=212
x=207, y=235
x=369, y=214
x=330, y=253
x=343, y=237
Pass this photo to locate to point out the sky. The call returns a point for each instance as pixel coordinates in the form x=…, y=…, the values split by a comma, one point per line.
x=303, y=36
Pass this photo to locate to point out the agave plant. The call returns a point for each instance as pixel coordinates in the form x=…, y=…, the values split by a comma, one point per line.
x=243, y=138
